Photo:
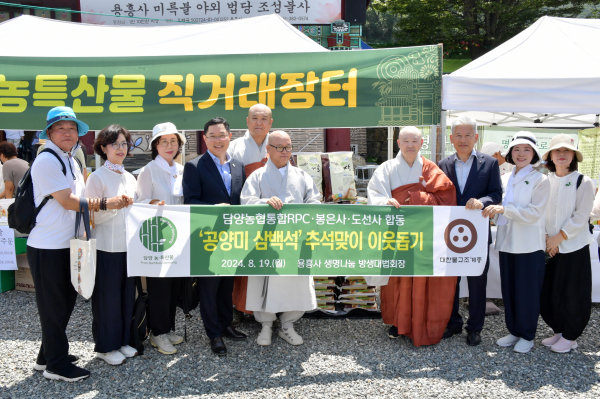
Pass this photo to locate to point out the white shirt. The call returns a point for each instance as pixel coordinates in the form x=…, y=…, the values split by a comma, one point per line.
x=463, y=169
x=14, y=134
x=155, y=182
x=525, y=230
x=569, y=210
x=110, y=225
x=55, y=226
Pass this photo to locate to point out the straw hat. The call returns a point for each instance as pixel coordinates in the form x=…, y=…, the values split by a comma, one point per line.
x=524, y=137
x=563, y=141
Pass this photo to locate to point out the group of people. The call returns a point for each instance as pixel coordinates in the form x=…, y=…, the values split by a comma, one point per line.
x=221, y=176
x=256, y=169
x=543, y=238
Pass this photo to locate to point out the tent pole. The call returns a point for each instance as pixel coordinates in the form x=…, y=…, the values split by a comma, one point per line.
x=442, y=149
x=390, y=142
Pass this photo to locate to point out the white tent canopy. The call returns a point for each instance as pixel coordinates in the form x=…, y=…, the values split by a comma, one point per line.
x=527, y=120
x=549, y=73
x=28, y=36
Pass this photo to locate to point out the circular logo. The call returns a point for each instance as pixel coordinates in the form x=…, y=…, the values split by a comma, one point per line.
x=158, y=234
x=460, y=236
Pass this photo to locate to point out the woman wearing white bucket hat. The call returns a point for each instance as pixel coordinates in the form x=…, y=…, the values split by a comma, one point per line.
x=160, y=183
x=566, y=300
x=521, y=241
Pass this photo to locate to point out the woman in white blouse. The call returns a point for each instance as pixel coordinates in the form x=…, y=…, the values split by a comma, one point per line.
x=566, y=301
x=160, y=183
x=521, y=241
x=114, y=292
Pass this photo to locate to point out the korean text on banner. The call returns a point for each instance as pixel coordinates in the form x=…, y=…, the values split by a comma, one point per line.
x=170, y=241
x=387, y=87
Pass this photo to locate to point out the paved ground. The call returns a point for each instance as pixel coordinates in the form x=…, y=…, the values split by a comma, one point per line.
x=340, y=359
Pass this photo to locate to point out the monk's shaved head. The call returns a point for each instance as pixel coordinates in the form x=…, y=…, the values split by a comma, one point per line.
x=260, y=108
x=280, y=139
x=411, y=130
x=278, y=136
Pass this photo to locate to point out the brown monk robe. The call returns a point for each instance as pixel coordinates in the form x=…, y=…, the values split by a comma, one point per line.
x=420, y=307
x=254, y=156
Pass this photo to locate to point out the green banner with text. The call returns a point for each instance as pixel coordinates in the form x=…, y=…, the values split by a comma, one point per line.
x=300, y=239
x=386, y=87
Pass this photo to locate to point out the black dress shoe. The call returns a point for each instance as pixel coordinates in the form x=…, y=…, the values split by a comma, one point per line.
x=393, y=332
x=218, y=346
x=450, y=331
x=473, y=338
x=234, y=334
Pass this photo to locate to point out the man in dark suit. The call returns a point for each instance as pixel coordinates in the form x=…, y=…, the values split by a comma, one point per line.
x=214, y=178
x=476, y=177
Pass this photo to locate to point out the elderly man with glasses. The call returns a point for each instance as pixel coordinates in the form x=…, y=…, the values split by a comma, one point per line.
x=215, y=178
x=277, y=184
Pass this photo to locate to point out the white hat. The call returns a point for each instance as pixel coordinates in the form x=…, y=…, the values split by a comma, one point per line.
x=490, y=148
x=165, y=128
x=524, y=137
x=563, y=141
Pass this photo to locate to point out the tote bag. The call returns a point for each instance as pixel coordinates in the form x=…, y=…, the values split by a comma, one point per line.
x=83, y=254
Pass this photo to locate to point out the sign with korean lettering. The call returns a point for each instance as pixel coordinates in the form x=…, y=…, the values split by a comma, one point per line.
x=387, y=87
x=589, y=145
x=503, y=136
x=8, y=257
x=298, y=12
x=326, y=240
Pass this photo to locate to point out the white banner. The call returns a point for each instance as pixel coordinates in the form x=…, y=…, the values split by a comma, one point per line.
x=503, y=136
x=8, y=257
x=296, y=12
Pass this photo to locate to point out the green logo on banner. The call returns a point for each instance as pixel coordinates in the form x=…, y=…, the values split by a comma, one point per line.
x=158, y=234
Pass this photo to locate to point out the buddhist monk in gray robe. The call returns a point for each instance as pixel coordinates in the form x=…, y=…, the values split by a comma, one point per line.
x=277, y=184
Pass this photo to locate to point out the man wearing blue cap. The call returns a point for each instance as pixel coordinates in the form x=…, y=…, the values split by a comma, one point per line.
x=57, y=180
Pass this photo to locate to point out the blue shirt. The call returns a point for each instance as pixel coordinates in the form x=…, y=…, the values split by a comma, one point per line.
x=462, y=169
x=224, y=170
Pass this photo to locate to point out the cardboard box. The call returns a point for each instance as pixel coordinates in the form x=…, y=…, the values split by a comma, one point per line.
x=7, y=280
x=24, y=280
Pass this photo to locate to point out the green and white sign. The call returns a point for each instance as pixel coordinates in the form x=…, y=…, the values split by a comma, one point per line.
x=386, y=87
x=300, y=239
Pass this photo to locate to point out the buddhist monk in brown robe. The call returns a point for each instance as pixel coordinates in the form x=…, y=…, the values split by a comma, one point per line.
x=418, y=307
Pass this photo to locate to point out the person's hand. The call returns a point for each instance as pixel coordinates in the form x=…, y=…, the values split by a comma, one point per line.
x=393, y=202
x=554, y=241
x=275, y=202
x=552, y=251
x=157, y=202
x=474, y=204
x=492, y=210
x=127, y=200
x=116, y=202
x=223, y=203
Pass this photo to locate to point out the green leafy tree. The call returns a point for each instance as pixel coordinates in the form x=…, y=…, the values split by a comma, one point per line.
x=472, y=27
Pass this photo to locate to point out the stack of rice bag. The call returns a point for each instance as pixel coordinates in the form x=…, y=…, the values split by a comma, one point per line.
x=326, y=289
x=357, y=294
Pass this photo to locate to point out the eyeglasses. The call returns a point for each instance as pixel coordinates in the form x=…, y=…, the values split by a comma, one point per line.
x=172, y=143
x=281, y=149
x=116, y=145
x=221, y=137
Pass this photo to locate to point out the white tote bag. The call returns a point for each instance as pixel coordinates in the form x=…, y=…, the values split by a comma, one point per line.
x=83, y=254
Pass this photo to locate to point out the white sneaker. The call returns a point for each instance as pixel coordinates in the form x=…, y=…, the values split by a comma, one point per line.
x=552, y=340
x=523, y=346
x=162, y=343
x=563, y=346
x=291, y=336
x=509, y=340
x=264, y=338
x=128, y=351
x=174, y=338
x=113, y=358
